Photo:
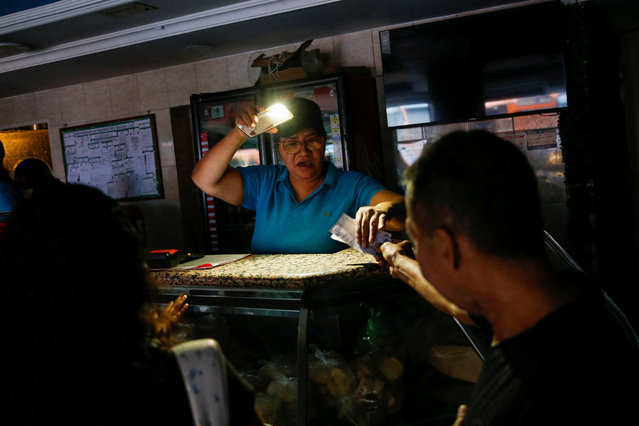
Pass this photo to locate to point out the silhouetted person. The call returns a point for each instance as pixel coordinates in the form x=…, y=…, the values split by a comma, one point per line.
x=76, y=350
x=9, y=195
x=33, y=174
x=559, y=355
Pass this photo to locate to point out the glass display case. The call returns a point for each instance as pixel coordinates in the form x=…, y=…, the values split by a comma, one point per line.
x=332, y=339
x=350, y=347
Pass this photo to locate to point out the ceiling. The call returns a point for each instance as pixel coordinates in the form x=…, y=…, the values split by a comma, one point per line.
x=46, y=44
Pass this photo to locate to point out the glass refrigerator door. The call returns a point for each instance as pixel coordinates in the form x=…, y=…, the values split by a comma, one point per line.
x=216, y=117
x=326, y=94
x=229, y=227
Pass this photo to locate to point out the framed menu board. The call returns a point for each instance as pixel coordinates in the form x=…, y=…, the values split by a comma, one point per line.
x=118, y=157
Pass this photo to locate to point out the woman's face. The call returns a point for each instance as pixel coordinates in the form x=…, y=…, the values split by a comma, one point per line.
x=303, y=155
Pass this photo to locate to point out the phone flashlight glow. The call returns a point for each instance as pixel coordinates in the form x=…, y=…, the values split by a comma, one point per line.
x=267, y=119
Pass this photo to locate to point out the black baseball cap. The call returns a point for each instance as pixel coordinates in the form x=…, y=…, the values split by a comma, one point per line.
x=306, y=115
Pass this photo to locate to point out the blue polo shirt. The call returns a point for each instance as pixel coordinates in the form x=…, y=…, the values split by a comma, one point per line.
x=282, y=225
x=9, y=197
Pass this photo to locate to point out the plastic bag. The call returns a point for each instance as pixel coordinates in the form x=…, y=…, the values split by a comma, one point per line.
x=359, y=392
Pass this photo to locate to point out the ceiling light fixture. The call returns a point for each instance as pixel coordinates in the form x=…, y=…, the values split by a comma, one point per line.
x=200, y=48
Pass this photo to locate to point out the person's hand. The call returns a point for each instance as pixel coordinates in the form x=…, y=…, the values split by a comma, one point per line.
x=248, y=117
x=370, y=220
x=461, y=415
x=392, y=249
x=391, y=252
x=163, y=321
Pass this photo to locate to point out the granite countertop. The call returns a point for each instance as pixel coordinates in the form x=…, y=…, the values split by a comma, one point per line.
x=291, y=271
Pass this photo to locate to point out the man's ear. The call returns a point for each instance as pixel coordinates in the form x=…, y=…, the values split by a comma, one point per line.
x=445, y=245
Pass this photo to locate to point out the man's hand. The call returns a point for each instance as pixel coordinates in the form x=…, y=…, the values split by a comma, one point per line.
x=461, y=415
x=391, y=250
x=401, y=263
x=393, y=254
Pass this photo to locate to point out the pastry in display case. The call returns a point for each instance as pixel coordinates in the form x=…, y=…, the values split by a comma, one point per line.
x=401, y=362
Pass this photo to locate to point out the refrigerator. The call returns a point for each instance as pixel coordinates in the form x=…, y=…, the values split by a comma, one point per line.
x=348, y=102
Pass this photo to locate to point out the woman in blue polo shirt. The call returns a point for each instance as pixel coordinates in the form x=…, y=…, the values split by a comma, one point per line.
x=297, y=203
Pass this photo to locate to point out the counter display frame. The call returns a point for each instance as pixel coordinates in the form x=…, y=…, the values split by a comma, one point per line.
x=311, y=296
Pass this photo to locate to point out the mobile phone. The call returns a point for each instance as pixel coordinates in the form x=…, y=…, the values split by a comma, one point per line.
x=267, y=119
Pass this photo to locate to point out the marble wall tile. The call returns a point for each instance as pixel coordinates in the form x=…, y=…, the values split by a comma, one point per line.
x=7, y=116
x=72, y=105
x=354, y=50
x=125, y=96
x=181, y=83
x=25, y=111
x=97, y=98
x=48, y=107
x=212, y=76
x=152, y=86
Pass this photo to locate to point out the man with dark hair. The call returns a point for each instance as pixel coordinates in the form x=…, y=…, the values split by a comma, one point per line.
x=558, y=355
x=489, y=194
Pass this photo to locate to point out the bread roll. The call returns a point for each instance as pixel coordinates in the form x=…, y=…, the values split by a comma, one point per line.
x=391, y=368
x=340, y=382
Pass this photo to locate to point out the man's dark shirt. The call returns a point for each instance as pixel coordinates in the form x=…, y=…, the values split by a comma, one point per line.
x=575, y=366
